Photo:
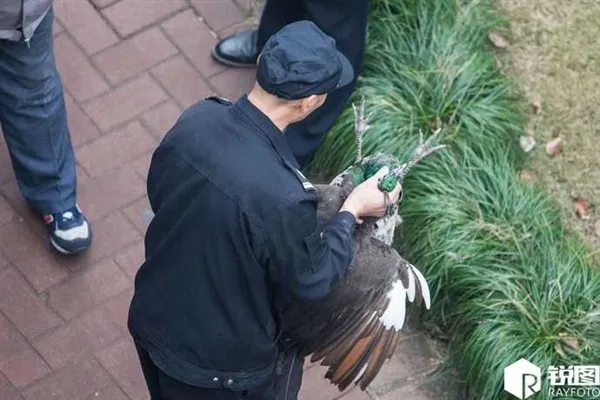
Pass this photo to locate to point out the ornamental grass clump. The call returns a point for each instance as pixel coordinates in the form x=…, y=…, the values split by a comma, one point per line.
x=424, y=69
x=508, y=280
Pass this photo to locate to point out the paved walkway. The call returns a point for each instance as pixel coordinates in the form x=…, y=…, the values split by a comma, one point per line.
x=129, y=67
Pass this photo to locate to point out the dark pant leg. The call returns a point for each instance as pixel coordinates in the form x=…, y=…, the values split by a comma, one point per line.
x=289, y=377
x=33, y=116
x=277, y=14
x=150, y=372
x=345, y=21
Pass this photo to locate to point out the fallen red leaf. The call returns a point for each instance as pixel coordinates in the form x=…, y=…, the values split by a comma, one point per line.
x=553, y=146
x=582, y=209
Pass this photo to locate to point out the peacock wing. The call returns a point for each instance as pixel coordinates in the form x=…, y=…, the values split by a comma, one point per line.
x=359, y=322
x=360, y=358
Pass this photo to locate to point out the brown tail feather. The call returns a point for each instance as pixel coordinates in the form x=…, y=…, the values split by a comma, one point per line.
x=352, y=362
x=362, y=348
x=339, y=353
x=346, y=343
x=336, y=373
x=370, y=352
x=355, y=327
x=359, y=326
x=360, y=365
x=377, y=358
x=395, y=339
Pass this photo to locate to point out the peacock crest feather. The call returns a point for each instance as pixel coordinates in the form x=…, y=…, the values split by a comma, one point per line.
x=364, y=168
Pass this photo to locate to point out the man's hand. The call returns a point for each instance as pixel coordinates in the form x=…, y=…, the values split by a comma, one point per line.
x=366, y=200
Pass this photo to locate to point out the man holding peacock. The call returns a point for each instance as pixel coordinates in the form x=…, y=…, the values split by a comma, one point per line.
x=236, y=233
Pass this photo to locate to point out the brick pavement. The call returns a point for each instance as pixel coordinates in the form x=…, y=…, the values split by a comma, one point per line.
x=129, y=67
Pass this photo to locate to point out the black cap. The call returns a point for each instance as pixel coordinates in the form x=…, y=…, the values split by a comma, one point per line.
x=301, y=60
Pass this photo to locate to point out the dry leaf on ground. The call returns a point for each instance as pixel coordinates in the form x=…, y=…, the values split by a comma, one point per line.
x=526, y=176
x=570, y=341
x=527, y=143
x=498, y=40
x=499, y=64
x=553, y=146
x=582, y=209
x=597, y=228
x=536, y=104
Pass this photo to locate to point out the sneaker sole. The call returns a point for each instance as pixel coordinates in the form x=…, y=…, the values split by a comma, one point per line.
x=63, y=251
x=230, y=63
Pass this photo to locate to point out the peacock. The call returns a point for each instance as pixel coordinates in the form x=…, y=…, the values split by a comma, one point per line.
x=355, y=329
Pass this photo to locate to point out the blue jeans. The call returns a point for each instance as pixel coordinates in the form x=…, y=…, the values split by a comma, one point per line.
x=34, y=121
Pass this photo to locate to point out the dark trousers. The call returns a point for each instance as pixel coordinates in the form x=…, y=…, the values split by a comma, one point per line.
x=34, y=121
x=343, y=20
x=285, y=384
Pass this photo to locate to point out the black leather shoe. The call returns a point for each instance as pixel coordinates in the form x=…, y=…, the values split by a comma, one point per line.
x=237, y=50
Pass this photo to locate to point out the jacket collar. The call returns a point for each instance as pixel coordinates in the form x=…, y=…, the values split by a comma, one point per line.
x=268, y=129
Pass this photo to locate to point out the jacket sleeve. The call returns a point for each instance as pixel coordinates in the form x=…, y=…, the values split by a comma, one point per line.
x=310, y=258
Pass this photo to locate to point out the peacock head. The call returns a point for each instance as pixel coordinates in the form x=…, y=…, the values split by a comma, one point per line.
x=366, y=167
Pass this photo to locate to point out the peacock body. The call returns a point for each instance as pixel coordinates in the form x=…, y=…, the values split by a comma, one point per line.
x=356, y=328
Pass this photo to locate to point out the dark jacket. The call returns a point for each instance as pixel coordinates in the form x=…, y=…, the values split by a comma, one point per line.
x=235, y=233
x=20, y=18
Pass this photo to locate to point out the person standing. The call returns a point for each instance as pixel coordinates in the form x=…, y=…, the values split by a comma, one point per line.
x=235, y=233
x=343, y=20
x=34, y=122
